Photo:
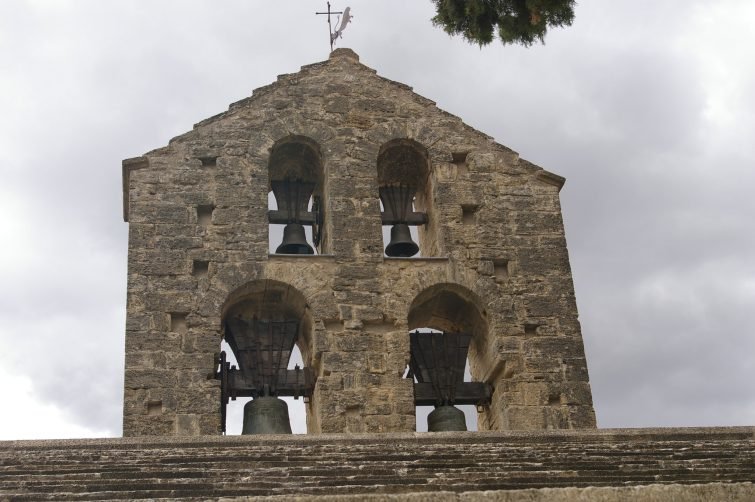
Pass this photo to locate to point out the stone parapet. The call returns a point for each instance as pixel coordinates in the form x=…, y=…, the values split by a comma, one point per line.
x=609, y=464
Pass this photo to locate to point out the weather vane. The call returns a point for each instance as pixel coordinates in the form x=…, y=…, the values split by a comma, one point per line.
x=346, y=19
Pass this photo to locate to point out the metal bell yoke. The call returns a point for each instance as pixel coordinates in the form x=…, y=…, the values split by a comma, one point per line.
x=263, y=349
x=437, y=363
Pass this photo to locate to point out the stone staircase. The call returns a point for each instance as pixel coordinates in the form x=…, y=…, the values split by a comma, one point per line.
x=439, y=466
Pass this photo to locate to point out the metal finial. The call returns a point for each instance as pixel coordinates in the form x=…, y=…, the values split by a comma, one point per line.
x=344, y=20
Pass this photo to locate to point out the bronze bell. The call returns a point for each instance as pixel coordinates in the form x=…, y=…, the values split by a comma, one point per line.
x=294, y=240
x=397, y=202
x=446, y=418
x=401, y=244
x=266, y=415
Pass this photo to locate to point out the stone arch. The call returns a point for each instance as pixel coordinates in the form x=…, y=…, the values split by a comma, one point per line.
x=404, y=161
x=298, y=157
x=298, y=160
x=285, y=123
x=273, y=300
x=451, y=307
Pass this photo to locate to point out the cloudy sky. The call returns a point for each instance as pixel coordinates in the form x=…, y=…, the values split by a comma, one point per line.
x=646, y=107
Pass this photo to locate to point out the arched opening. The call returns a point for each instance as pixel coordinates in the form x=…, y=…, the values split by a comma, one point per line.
x=295, y=197
x=403, y=172
x=297, y=407
x=454, y=311
x=423, y=411
x=272, y=305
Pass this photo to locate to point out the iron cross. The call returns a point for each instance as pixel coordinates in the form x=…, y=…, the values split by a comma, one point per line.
x=332, y=36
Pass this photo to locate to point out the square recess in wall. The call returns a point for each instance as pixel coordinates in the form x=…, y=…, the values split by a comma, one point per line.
x=178, y=322
x=204, y=215
x=468, y=212
x=460, y=161
x=154, y=408
x=501, y=269
x=530, y=328
x=209, y=161
x=200, y=268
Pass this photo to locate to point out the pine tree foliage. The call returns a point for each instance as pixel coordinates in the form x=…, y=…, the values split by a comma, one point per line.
x=515, y=21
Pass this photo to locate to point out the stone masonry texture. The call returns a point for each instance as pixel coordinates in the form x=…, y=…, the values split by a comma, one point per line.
x=493, y=261
x=689, y=464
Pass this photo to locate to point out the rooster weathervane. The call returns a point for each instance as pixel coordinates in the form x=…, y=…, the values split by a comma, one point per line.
x=344, y=18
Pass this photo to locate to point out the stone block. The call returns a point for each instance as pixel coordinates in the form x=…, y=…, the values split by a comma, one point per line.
x=575, y=369
x=560, y=346
x=149, y=378
x=134, y=425
x=525, y=418
x=556, y=417
x=178, y=242
x=576, y=393
x=163, y=213
x=188, y=424
x=199, y=361
x=146, y=360
x=158, y=262
x=209, y=424
x=139, y=322
x=376, y=363
x=367, y=380
x=196, y=401
x=534, y=222
x=582, y=417
x=351, y=342
x=534, y=393
x=151, y=341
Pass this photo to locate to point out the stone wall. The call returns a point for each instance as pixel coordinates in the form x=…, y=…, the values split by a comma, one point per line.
x=494, y=260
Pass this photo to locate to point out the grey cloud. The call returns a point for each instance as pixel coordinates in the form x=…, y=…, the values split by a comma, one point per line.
x=646, y=97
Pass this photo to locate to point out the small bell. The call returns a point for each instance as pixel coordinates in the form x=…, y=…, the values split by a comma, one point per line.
x=292, y=197
x=446, y=418
x=266, y=415
x=397, y=202
x=294, y=241
x=401, y=244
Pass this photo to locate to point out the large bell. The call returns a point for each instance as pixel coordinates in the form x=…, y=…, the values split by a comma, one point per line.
x=294, y=241
x=401, y=244
x=266, y=415
x=446, y=418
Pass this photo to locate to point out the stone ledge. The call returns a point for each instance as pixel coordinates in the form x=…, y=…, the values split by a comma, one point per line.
x=647, y=493
x=418, y=259
x=607, y=465
x=282, y=257
x=514, y=437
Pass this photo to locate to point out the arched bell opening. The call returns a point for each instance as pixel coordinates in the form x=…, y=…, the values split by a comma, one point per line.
x=448, y=331
x=295, y=197
x=403, y=173
x=467, y=420
x=298, y=235
x=265, y=356
x=297, y=407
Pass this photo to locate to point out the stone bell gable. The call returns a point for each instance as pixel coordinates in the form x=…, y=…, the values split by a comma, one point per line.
x=492, y=261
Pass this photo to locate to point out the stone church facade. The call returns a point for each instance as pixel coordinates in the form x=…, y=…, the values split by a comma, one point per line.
x=493, y=260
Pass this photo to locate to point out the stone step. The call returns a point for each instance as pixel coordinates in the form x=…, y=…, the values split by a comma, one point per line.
x=213, y=467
